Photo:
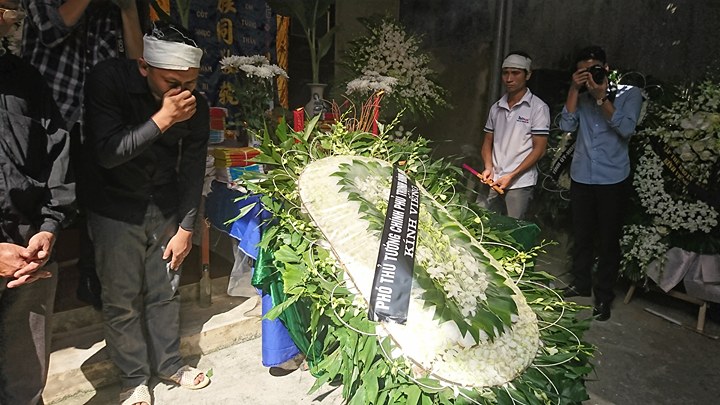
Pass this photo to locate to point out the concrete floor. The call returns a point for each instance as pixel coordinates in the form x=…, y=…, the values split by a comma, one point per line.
x=641, y=359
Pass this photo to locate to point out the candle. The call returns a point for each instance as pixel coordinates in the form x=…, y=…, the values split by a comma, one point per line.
x=298, y=119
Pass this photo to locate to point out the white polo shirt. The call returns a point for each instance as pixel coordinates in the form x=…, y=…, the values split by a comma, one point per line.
x=513, y=129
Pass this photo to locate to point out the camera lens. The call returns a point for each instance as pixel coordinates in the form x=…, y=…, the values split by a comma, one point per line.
x=598, y=73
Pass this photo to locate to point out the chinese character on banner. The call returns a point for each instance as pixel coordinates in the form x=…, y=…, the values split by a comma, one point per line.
x=229, y=28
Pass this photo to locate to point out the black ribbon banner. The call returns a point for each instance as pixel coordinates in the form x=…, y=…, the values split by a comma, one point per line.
x=564, y=160
x=392, y=285
x=672, y=162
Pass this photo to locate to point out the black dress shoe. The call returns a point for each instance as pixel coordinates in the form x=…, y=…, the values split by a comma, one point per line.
x=572, y=291
x=601, y=311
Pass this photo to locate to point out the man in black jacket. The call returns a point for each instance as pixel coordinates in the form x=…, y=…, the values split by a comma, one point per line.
x=35, y=200
x=147, y=131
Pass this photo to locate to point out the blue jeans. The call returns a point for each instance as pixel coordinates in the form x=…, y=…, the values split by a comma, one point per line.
x=514, y=203
x=141, y=304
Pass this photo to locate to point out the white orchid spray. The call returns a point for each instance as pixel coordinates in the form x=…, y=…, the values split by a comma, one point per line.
x=389, y=52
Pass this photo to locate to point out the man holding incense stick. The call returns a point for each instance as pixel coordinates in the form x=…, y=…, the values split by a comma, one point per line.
x=515, y=139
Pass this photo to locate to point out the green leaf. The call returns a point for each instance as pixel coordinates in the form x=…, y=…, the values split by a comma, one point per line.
x=278, y=309
x=370, y=382
x=413, y=394
x=360, y=397
x=325, y=42
x=293, y=277
x=243, y=211
x=286, y=255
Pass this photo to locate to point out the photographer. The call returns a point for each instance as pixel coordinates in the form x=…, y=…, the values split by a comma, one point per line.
x=604, y=115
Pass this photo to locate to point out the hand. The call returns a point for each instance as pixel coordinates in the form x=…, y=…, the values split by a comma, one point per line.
x=580, y=79
x=12, y=259
x=597, y=90
x=35, y=256
x=178, y=248
x=504, y=181
x=178, y=104
x=29, y=278
x=40, y=246
x=487, y=176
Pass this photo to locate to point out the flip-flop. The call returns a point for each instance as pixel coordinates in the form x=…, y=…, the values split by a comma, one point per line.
x=136, y=395
x=186, y=375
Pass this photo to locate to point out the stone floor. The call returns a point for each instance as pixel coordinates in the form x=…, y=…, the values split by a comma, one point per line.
x=641, y=359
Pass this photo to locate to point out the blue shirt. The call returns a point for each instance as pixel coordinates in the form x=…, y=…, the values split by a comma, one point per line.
x=601, y=150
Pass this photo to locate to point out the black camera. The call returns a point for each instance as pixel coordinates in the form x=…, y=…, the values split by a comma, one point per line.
x=598, y=73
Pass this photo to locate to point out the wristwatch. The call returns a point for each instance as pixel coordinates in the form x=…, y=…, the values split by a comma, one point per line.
x=601, y=101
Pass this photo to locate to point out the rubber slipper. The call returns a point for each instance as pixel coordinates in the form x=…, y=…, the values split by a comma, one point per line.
x=136, y=395
x=186, y=375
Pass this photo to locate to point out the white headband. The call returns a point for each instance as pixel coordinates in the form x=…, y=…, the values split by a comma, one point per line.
x=517, y=61
x=170, y=55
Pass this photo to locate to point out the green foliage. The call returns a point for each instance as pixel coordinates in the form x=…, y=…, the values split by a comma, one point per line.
x=307, y=13
x=348, y=351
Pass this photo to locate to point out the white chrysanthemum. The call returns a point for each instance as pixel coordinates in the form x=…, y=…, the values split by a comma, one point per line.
x=371, y=82
x=253, y=66
x=675, y=214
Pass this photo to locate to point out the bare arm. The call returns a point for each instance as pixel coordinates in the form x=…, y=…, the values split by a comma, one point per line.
x=486, y=153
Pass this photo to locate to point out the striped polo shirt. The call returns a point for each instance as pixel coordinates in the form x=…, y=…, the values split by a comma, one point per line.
x=513, y=129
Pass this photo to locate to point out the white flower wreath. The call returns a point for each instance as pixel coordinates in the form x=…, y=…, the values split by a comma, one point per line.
x=677, y=214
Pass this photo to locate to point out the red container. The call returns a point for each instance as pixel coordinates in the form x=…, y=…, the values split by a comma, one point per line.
x=217, y=118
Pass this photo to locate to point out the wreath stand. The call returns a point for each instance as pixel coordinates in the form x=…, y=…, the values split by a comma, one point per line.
x=702, y=304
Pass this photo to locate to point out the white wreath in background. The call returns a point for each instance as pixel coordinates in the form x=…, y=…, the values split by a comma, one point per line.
x=677, y=214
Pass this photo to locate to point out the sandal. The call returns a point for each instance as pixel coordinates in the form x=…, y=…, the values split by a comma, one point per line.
x=137, y=395
x=186, y=376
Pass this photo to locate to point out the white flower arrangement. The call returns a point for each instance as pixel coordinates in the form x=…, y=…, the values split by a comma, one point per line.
x=252, y=87
x=388, y=51
x=690, y=127
x=642, y=245
x=677, y=214
x=254, y=66
x=448, y=352
x=371, y=82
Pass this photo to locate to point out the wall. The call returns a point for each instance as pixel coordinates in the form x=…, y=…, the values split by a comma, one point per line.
x=666, y=41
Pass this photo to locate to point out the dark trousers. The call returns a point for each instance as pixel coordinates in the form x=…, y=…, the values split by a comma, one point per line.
x=25, y=314
x=597, y=213
x=141, y=304
x=86, y=260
